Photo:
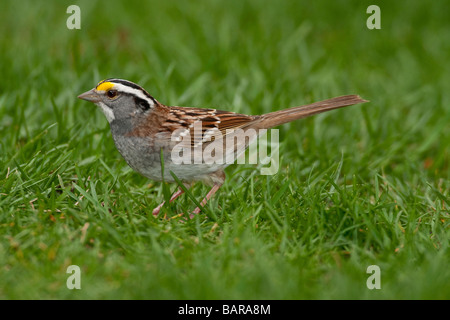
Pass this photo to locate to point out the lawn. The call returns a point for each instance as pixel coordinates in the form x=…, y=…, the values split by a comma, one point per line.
x=360, y=186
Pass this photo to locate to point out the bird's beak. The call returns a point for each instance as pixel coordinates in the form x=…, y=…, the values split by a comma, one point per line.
x=90, y=95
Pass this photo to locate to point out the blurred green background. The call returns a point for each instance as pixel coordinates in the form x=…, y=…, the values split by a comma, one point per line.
x=366, y=185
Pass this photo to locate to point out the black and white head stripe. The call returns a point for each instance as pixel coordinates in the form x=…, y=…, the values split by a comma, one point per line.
x=127, y=87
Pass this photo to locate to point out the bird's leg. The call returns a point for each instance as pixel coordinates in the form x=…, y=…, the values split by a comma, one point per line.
x=174, y=196
x=208, y=196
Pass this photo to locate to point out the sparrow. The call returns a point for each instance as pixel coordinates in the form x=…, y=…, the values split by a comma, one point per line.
x=148, y=133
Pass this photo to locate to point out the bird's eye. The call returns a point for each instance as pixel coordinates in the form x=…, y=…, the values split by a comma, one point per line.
x=111, y=94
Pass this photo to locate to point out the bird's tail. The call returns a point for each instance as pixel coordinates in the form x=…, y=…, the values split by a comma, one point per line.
x=277, y=118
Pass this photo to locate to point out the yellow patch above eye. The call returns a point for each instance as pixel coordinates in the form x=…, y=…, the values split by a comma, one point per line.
x=105, y=86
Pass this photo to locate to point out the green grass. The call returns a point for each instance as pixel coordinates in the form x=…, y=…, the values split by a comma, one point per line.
x=365, y=185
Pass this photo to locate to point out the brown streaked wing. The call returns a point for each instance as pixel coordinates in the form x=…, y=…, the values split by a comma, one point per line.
x=211, y=120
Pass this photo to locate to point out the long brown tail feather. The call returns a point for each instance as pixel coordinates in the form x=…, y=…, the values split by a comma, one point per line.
x=277, y=118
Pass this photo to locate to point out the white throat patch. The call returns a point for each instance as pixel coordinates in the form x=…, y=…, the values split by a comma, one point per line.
x=109, y=114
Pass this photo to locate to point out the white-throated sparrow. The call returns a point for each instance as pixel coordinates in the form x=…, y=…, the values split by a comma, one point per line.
x=141, y=127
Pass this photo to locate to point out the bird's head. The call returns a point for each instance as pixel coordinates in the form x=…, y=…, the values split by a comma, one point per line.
x=120, y=99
